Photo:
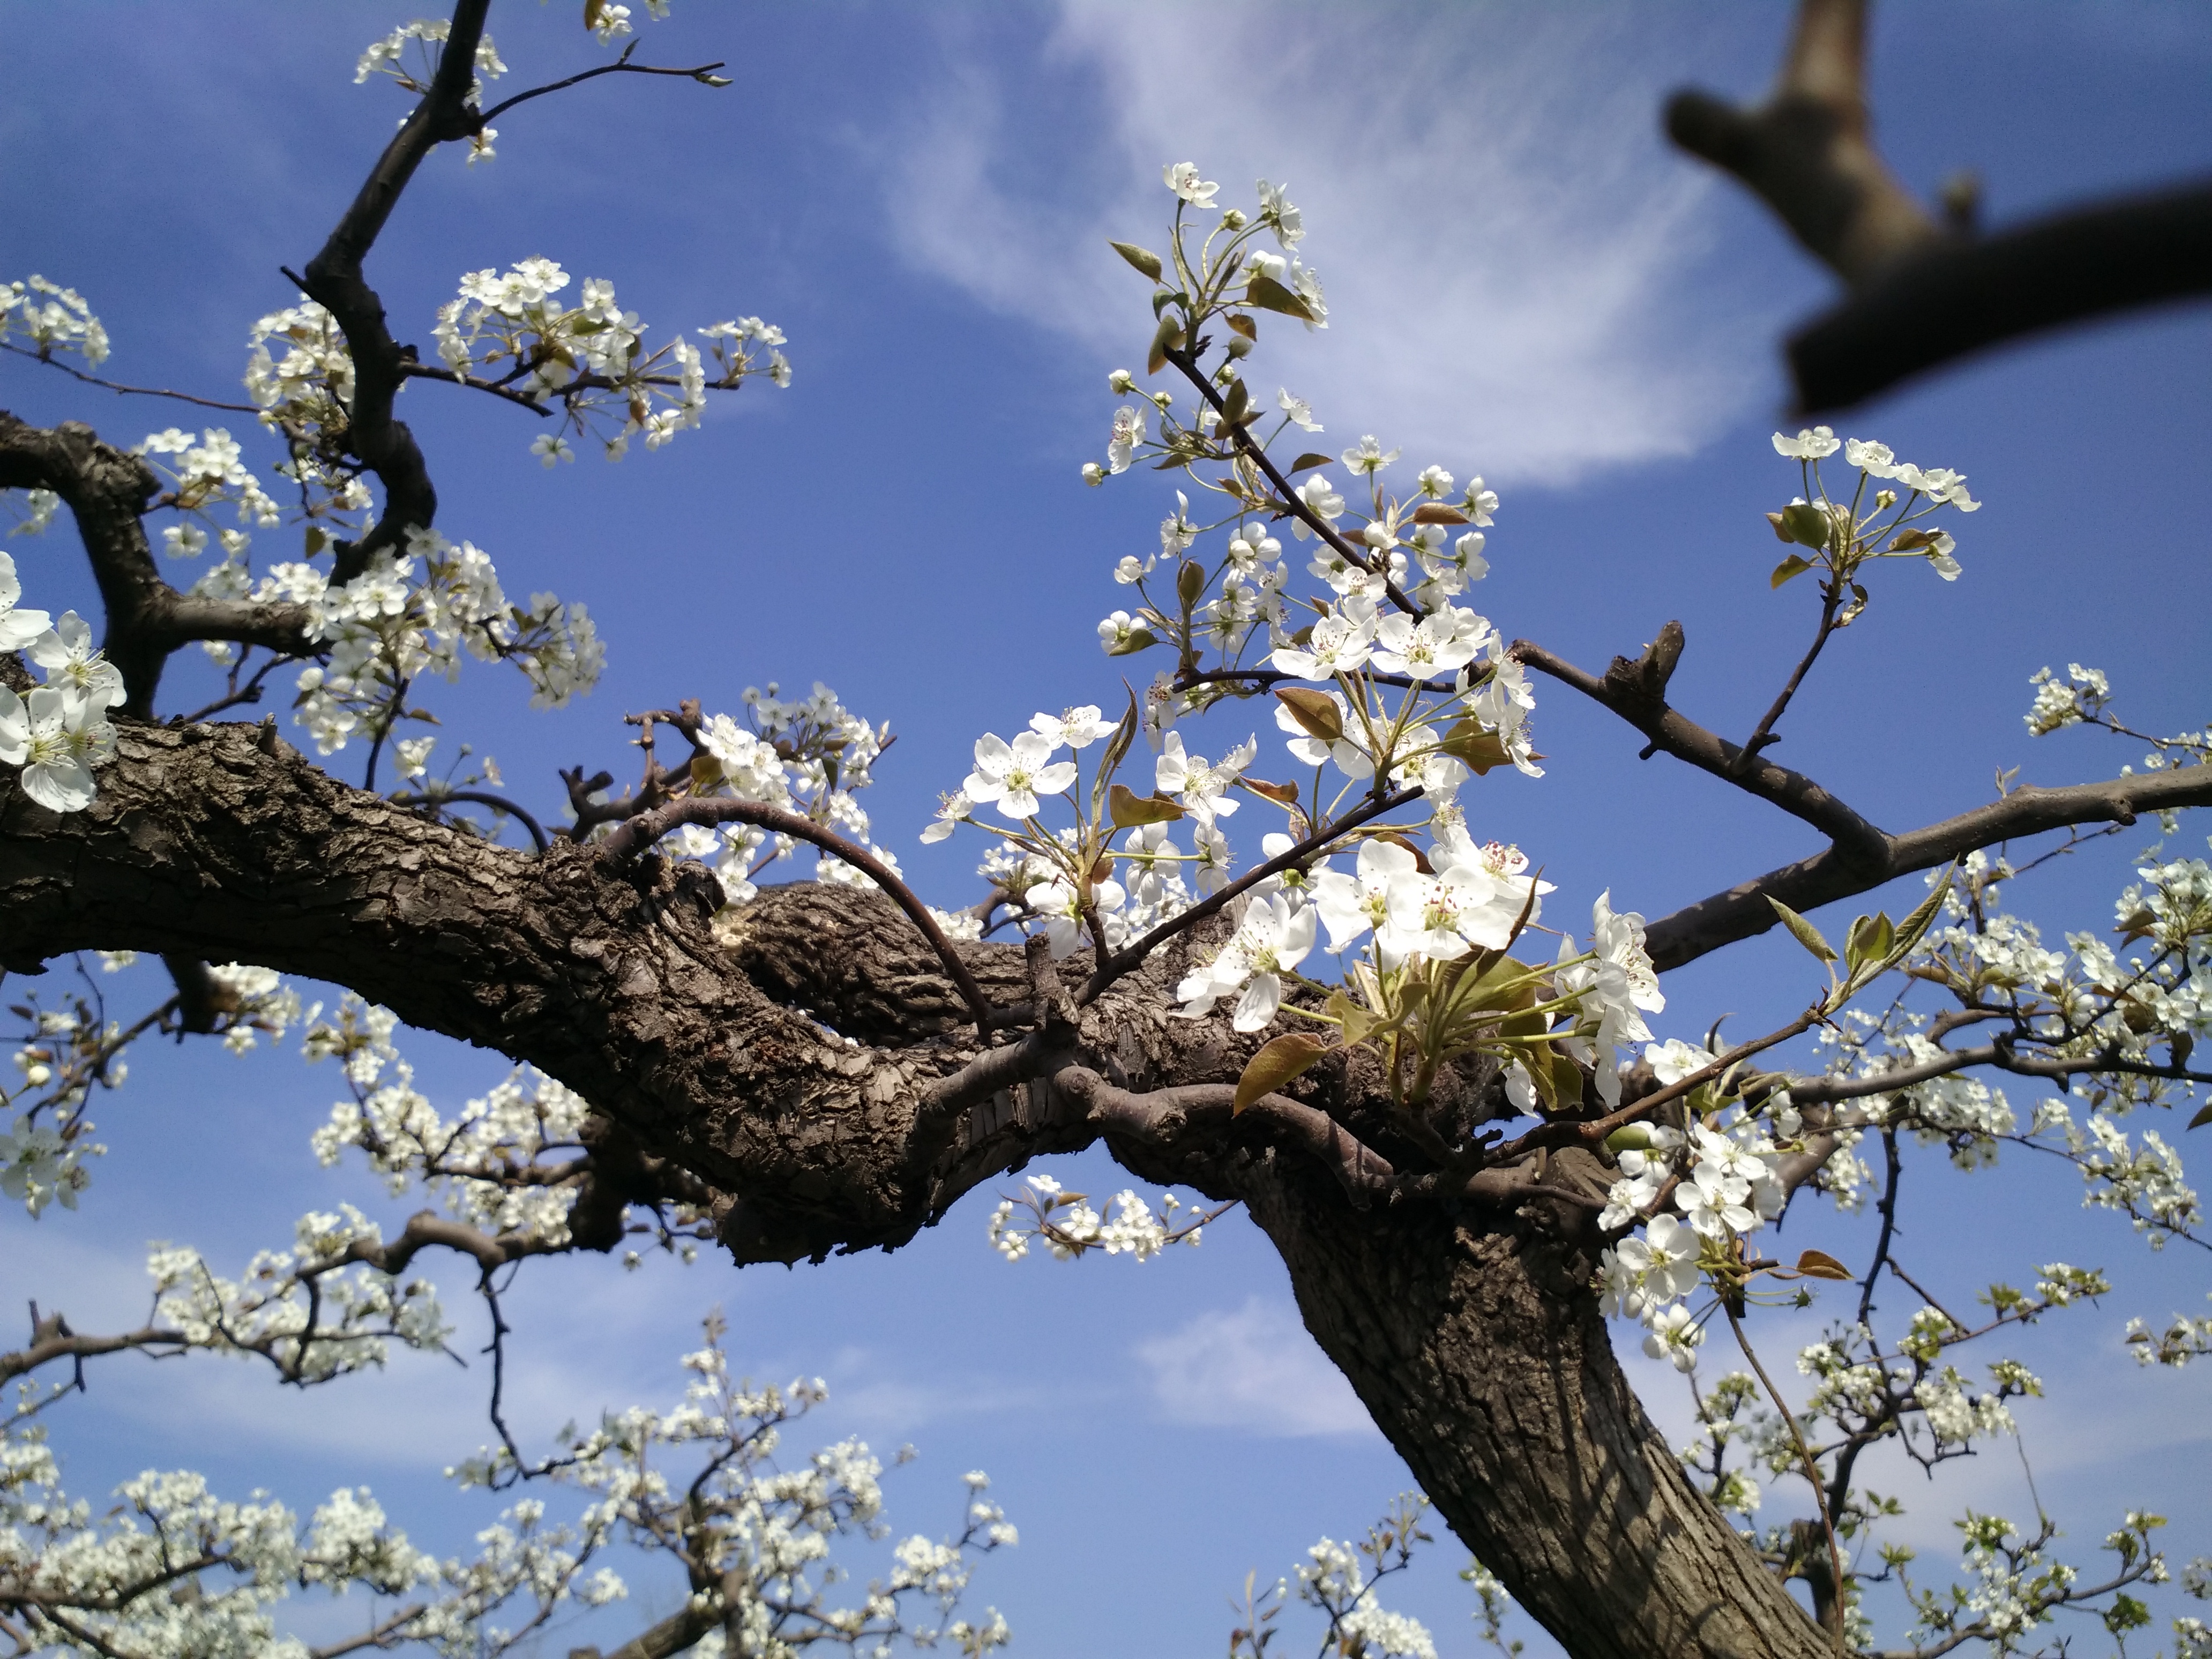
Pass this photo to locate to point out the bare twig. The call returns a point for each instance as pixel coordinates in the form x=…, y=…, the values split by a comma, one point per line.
x=52, y=362
x=620, y=66
x=1635, y=690
x=482, y=798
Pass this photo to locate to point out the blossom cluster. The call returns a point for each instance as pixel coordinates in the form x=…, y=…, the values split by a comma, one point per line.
x=510, y=333
x=1069, y=1227
x=52, y=319
x=300, y=1308
x=304, y=395
x=810, y=755
x=1875, y=522
x=172, y=1570
x=416, y=613
x=758, y=1537
x=497, y=1166
x=60, y=733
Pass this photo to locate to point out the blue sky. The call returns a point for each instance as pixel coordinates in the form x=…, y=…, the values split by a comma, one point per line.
x=1526, y=283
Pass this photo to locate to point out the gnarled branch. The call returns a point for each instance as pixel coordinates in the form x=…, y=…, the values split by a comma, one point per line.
x=1924, y=292
x=1743, y=911
x=333, y=280
x=107, y=490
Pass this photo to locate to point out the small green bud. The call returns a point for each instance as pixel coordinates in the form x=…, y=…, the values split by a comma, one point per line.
x=1190, y=583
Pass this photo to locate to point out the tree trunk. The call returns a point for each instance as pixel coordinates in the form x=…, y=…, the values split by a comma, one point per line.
x=1477, y=1344
x=806, y=1058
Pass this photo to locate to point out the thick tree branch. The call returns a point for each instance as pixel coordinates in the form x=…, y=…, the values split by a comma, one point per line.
x=1957, y=296
x=1923, y=293
x=1807, y=151
x=786, y=1055
x=108, y=490
x=1743, y=911
x=333, y=280
x=1636, y=690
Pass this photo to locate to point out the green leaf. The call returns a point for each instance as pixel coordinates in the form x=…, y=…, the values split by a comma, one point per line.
x=1276, y=1064
x=1819, y=1264
x=2204, y=1116
x=1316, y=712
x=1237, y=406
x=1143, y=258
x=1914, y=927
x=1271, y=296
x=1129, y=809
x=1868, y=941
x=1807, y=524
x=1796, y=565
x=1630, y=1138
x=1354, y=1021
x=1140, y=639
x=1808, y=935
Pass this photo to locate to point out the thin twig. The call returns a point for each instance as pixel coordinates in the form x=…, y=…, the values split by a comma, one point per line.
x=1830, y=598
x=483, y=797
x=623, y=67
x=132, y=390
x=1812, y=1470
x=1295, y=502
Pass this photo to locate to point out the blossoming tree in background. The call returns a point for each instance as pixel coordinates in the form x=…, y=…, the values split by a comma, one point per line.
x=1297, y=977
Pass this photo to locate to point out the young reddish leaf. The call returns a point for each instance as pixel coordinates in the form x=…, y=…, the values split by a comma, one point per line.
x=1795, y=565
x=1242, y=324
x=1309, y=459
x=1421, y=859
x=1478, y=749
x=1819, y=1264
x=1129, y=809
x=1316, y=712
x=1437, y=512
x=1287, y=794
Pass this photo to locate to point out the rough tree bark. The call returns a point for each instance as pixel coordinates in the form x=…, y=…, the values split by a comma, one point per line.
x=795, y=1058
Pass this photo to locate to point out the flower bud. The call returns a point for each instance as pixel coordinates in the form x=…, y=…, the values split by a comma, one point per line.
x=1190, y=583
x=1093, y=473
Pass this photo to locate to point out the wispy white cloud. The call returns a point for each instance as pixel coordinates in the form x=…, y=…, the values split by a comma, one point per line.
x=1255, y=1369
x=1521, y=275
